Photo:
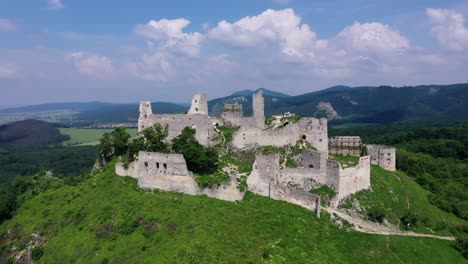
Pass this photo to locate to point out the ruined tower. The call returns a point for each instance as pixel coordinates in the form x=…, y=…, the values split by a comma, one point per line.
x=258, y=108
x=199, y=105
x=145, y=113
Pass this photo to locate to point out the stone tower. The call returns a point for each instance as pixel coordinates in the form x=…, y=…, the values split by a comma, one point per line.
x=199, y=105
x=145, y=113
x=258, y=109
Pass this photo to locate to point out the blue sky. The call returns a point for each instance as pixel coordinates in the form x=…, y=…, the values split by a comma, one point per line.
x=126, y=51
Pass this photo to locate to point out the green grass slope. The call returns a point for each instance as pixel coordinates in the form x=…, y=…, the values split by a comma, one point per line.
x=108, y=219
x=396, y=194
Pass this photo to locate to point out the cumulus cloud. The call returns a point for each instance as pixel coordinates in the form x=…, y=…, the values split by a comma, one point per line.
x=55, y=4
x=449, y=28
x=6, y=25
x=168, y=35
x=282, y=28
x=91, y=65
x=8, y=71
x=155, y=67
x=372, y=37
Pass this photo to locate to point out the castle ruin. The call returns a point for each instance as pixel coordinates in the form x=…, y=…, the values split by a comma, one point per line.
x=269, y=177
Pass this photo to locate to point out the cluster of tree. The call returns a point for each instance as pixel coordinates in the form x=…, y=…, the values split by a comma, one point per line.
x=199, y=159
x=66, y=163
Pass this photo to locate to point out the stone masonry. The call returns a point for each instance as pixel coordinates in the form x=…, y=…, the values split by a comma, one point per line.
x=169, y=172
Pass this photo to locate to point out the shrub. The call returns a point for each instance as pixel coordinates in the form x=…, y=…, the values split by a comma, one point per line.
x=376, y=214
x=199, y=159
x=37, y=253
x=409, y=220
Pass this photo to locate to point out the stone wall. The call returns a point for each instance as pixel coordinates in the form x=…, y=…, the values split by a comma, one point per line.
x=232, y=114
x=258, y=105
x=265, y=169
x=350, y=180
x=345, y=145
x=383, y=156
x=312, y=130
x=307, y=200
x=199, y=105
x=168, y=172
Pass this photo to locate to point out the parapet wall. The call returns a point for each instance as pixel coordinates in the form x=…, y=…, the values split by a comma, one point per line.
x=383, y=156
x=345, y=145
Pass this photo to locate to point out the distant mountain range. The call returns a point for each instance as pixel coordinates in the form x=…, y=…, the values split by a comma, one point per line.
x=341, y=104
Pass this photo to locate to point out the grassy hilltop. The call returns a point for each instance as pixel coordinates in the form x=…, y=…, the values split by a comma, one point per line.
x=109, y=219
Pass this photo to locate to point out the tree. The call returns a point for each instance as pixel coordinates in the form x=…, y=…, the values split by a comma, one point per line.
x=154, y=138
x=199, y=159
x=120, y=139
x=113, y=143
x=105, y=148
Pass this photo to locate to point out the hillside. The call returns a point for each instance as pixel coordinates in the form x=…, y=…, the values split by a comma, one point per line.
x=382, y=104
x=30, y=133
x=108, y=219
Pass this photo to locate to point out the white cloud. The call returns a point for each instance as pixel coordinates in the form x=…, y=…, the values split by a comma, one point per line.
x=372, y=37
x=91, y=65
x=55, y=4
x=449, y=28
x=272, y=27
x=155, y=67
x=168, y=35
x=6, y=25
x=8, y=71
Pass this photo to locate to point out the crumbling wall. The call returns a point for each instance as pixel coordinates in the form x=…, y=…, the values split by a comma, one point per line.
x=144, y=114
x=199, y=105
x=258, y=105
x=169, y=172
x=312, y=130
x=265, y=169
x=307, y=200
x=350, y=180
x=232, y=114
x=205, y=132
x=383, y=156
x=304, y=179
x=345, y=145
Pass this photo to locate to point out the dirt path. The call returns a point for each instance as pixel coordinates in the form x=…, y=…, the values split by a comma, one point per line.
x=363, y=226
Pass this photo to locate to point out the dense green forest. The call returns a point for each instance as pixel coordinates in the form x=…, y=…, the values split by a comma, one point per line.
x=64, y=162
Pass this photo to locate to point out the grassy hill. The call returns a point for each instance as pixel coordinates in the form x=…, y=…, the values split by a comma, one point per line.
x=397, y=194
x=30, y=133
x=108, y=219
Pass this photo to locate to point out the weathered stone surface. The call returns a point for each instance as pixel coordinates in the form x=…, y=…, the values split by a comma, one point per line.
x=199, y=105
x=383, y=156
x=345, y=145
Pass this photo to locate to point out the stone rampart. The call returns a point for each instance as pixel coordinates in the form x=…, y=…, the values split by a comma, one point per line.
x=349, y=180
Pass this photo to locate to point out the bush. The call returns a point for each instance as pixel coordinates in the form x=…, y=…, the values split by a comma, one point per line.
x=37, y=253
x=199, y=159
x=376, y=214
x=409, y=220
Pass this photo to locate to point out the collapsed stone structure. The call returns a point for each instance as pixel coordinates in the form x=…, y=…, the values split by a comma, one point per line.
x=269, y=177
